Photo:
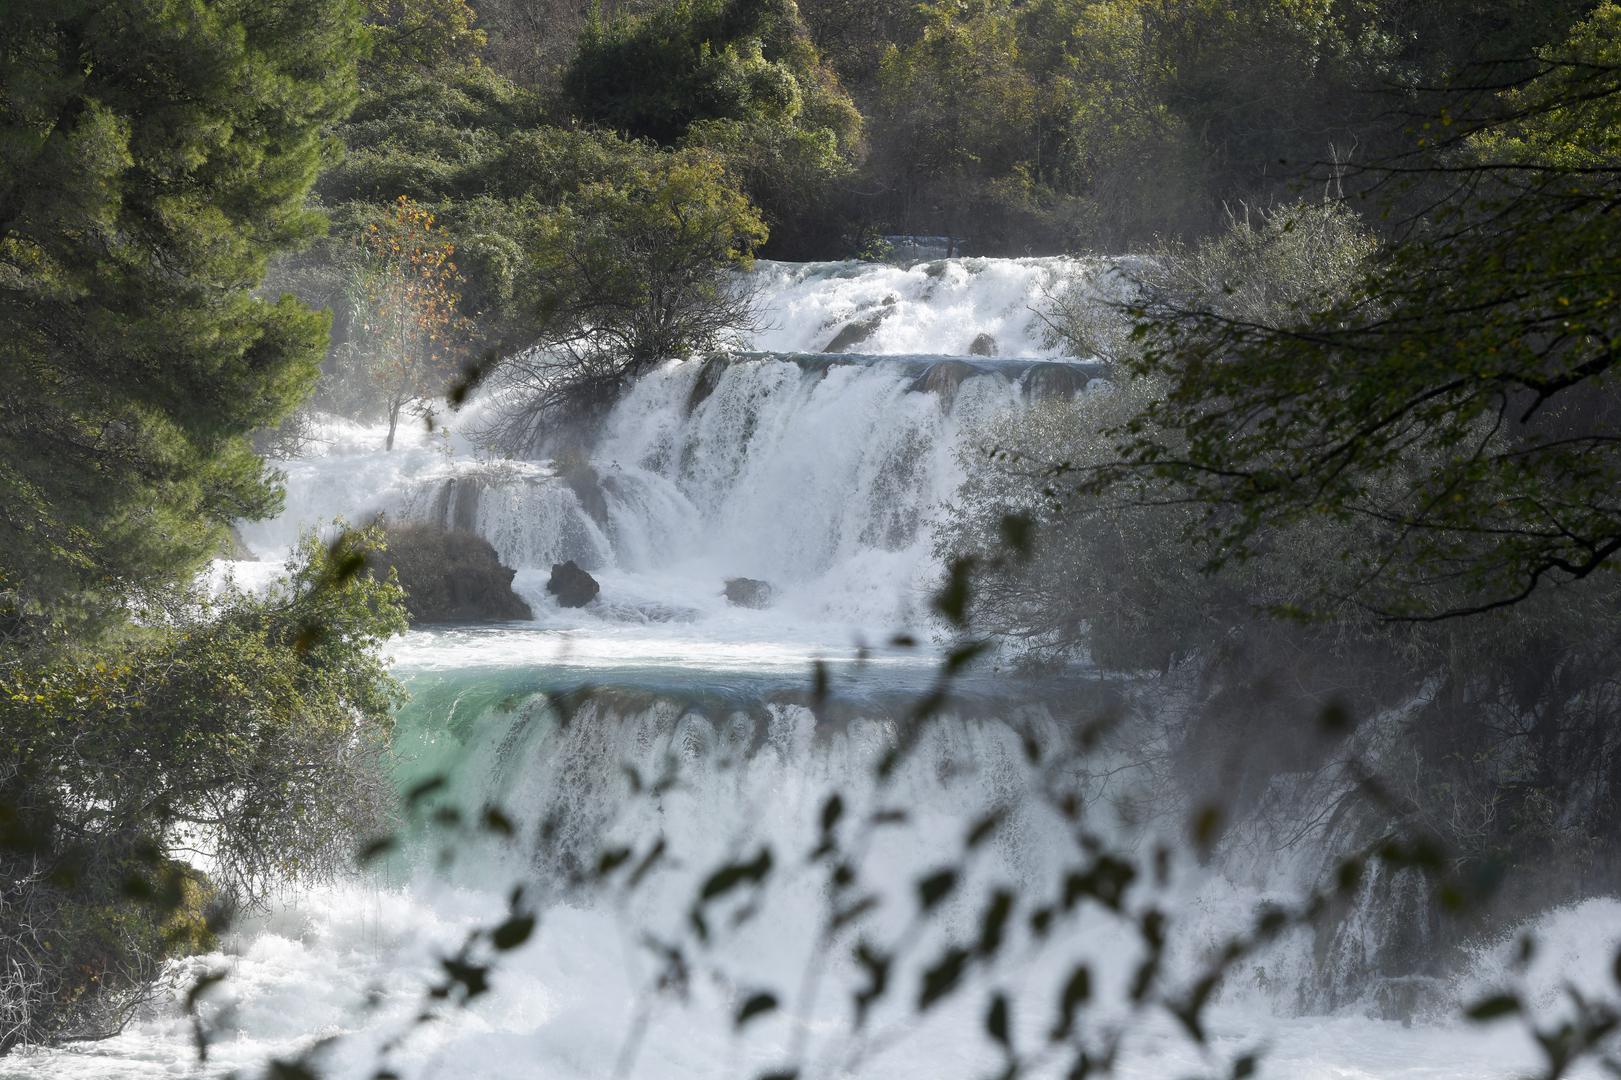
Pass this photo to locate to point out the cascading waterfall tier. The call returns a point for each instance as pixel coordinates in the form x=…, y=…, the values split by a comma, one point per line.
x=818, y=472
x=816, y=456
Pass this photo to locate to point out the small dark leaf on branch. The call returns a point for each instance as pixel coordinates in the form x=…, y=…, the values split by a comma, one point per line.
x=1032, y=748
x=473, y=979
x=1492, y=1007
x=1348, y=875
x=1077, y=992
x=984, y=827
x=650, y=860
x=422, y=789
x=200, y=987
x=936, y=887
x=757, y=1005
x=952, y=600
x=876, y=966
x=376, y=849
x=993, y=923
x=1525, y=950
x=963, y=655
x=1271, y=922
x=514, y=932
x=729, y=877
x=1335, y=719
x=497, y=822
x=1017, y=533
x=942, y=977
x=832, y=811
x=1041, y=921
x=611, y=860
x=1191, y=1011
x=996, y=1022
x=850, y=914
x=1206, y=828
x=289, y=1070
x=471, y=375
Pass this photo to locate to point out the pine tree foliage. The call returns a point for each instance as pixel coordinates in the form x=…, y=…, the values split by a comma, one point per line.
x=153, y=156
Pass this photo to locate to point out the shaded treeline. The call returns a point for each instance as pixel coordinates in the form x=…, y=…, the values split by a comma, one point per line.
x=488, y=191
x=1371, y=476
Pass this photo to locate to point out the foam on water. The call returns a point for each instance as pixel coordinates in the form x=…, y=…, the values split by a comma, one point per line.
x=936, y=307
x=351, y=959
x=822, y=477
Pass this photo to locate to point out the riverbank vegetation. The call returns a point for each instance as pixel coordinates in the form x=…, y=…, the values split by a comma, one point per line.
x=1373, y=476
x=1357, y=465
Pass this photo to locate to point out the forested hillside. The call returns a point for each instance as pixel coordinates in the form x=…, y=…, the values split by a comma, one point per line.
x=1202, y=414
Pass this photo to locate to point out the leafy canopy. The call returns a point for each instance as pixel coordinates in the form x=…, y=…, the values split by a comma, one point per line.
x=1461, y=405
x=153, y=155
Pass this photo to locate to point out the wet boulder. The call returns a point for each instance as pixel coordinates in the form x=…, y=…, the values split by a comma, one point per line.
x=943, y=378
x=982, y=345
x=855, y=332
x=1045, y=382
x=448, y=575
x=582, y=479
x=714, y=366
x=572, y=586
x=748, y=592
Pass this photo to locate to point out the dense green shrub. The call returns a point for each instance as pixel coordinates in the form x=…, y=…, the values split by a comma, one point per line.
x=629, y=272
x=741, y=78
x=247, y=730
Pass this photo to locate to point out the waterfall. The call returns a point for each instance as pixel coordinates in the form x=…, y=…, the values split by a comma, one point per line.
x=817, y=472
x=818, y=455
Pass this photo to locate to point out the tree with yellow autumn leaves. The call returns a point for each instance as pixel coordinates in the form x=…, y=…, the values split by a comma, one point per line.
x=410, y=335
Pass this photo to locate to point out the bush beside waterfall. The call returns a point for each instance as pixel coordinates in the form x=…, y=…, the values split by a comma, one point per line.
x=1509, y=763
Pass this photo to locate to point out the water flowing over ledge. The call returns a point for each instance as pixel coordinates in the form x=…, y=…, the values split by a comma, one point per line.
x=816, y=457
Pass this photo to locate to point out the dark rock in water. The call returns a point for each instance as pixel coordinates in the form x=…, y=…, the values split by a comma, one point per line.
x=455, y=503
x=708, y=378
x=1046, y=381
x=855, y=332
x=449, y=575
x=582, y=479
x=943, y=378
x=572, y=586
x=748, y=592
x=982, y=345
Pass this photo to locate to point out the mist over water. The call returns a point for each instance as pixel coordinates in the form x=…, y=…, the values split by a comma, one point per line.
x=822, y=475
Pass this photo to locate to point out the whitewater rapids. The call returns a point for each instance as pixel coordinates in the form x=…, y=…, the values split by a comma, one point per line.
x=824, y=474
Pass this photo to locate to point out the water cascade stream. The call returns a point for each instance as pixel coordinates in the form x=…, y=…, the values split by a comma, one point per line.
x=817, y=460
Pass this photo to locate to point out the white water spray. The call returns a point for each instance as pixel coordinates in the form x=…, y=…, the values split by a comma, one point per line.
x=821, y=475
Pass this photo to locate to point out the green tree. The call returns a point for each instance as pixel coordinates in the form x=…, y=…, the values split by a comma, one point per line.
x=1461, y=404
x=630, y=272
x=153, y=155
x=250, y=729
x=740, y=77
x=427, y=34
x=410, y=336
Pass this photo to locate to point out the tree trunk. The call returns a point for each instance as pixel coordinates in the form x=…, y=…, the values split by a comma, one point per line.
x=393, y=422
